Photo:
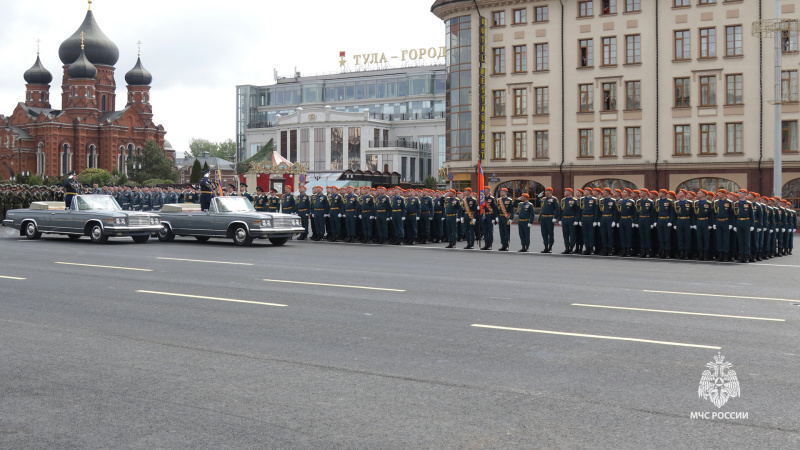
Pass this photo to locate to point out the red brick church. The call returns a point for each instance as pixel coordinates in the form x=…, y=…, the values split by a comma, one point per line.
x=88, y=131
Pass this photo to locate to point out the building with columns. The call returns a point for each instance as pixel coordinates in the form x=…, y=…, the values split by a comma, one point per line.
x=88, y=131
x=619, y=93
x=389, y=120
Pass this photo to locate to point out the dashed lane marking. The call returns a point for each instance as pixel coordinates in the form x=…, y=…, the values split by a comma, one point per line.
x=336, y=285
x=723, y=296
x=203, y=261
x=12, y=278
x=172, y=294
x=104, y=267
x=677, y=312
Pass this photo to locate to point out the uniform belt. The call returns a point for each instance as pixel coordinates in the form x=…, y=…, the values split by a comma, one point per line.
x=569, y=217
x=523, y=220
x=547, y=215
x=722, y=220
x=626, y=217
x=684, y=217
x=319, y=209
x=304, y=209
x=206, y=192
x=349, y=210
x=451, y=215
x=702, y=218
x=397, y=210
x=743, y=218
x=604, y=215
x=411, y=214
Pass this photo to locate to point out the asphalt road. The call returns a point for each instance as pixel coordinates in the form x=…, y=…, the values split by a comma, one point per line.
x=189, y=345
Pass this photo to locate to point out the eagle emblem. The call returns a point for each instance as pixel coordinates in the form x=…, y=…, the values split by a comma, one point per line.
x=718, y=383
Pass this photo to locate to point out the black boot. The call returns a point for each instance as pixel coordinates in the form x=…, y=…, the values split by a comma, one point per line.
x=504, y=248
x=451, y=245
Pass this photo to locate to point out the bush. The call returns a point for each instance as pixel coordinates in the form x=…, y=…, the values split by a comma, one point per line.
x=35, y=180
x=122, y=180
x=91, y=176
x=156, y=181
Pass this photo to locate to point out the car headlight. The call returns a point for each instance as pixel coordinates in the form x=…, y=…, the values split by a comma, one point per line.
x=296, y=222
x=120, y=221
x=267, y=223
x=155, y=221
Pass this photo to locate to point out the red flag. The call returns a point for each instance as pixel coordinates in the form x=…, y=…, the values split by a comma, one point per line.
x=481, y=183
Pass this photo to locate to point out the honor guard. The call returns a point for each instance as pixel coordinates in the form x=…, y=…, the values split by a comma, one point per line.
x=413, y=209
x=745, y=218
x=569, y=214
x=425, y=216
x=206, y=191
x=704, y=224
x=383, y=214
x=608, y=221
x=351, y=211
x=666, y=215
x=526, y=216
x=452, y=211
x=398, y=215
x=320, y=207
x=548, y=218
x=626, y=220
x=303, y=206
x=335, y=214
x=288, y=203
x=471, y=215
x=273, y=201
x=70, y=189
x=505, y=215
x=590, y=220
x=646, y=223
x=367, y=215
x=489, y=219
x=438, y=225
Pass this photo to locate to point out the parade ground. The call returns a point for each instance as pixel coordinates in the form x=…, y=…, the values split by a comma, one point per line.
x=337, y=345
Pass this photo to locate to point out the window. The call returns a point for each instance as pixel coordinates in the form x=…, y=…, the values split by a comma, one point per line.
x=585, y=137
x=789, y=136
x=609, y=6
x=734, y=138
x=633, y=6
x=633, y=95
x=520, y=58
x=103, y=103
x=499, y=145
x=789, y=41
x=789, y=86
x=542, y=100
x=337, y=148
x=499, y=58
x=679, y=3
x=353, y=149
x=520, y=16
x=542, y=57
x=585, y=8
x=708, y=91
x=707, y=2
x=541, y=14
x=499, y=103
x=609, y=142
x=586, y=94
x=520, y=101
x=633, y=49
x=683, y=144
x=633, y=141
x=682, y=96
x=520, y=144
x=498, y=18
x=708, y=139
x=708, y=42
x=734, y=89
x=585, y=53
x=683, y=45
x=609, y=51
x=733, y=40
x=609, y=96
x=542, y=144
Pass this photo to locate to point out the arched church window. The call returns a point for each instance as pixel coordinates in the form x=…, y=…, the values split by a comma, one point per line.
x=104, y=103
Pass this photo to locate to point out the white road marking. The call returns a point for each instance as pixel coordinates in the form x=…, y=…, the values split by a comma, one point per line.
x=336, y=285
x=595, y=336
x=774, y=265
x=12, y=278
x=203, y=261
x=678, y=312
x=724, y=296
x=210, y=298
x=103, y=267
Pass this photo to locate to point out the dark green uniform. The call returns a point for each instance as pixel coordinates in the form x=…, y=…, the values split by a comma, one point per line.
x=570, y=215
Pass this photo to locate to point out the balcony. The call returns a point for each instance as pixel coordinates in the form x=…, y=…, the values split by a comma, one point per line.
x=407, y=116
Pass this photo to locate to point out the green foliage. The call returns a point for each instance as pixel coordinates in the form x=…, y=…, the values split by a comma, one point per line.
x=152, y=163
x=122, y=180
x=115, y=173
x=263, y=154
x=91, y=176
x=156, y=181
x=196, y=173
x=225, y=149
x=205, y=166
x=35, y=180
x=429, y=182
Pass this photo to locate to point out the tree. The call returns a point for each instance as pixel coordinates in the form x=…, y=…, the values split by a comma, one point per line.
x=196, y=173
x=197, y=147
x=205, y=166
x=152, y=163
x=35, y=180
x=429, y=182
x=122, y=180
x=226, y=150
x=91, y=176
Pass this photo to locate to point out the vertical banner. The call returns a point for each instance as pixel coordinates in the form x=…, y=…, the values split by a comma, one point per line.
x=482, y=91
x=481, y=184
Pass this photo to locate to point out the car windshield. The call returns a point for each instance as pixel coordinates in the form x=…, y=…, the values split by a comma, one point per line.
x=97, y=203
x=233, y=204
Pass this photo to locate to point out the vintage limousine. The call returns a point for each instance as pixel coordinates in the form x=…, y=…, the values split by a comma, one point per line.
x=96, y=216
x=228, y=217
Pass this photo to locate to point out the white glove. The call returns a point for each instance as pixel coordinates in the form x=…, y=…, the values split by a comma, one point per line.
x=652, y=226
x=554, y=220
x=495, y=221
x=404, y=218
x=735, y=230
x=359, y=216
x=752, y=228
x=758, y=229
x=636, y=225
x=783, y=230
x=417, y=218
x=597, y=224
x=559, y=222
x=693, y=227
x=371, y=217
x=709, y=227
x=472, y=222
x=730, y=227
x=388, y=219
x=715, y=227
x=340, y=215
x=529, y=224
x=770, y=231
x=675, y=227
x=613, y=224
x=669, y=224
x=442, y=219
x=327, y=215
x=575, y=223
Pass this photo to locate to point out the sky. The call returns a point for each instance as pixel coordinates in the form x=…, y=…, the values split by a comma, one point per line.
x=199, y=50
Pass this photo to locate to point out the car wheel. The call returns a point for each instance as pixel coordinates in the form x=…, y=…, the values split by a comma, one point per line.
x=277, y=242
x=141, y=239
x=241, y=237
x=32, y=231
x=165, y=234
x=96, y=234
x=74, y=237
x=202, y=238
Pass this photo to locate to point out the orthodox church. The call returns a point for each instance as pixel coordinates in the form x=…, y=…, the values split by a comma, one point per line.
x=88, y=131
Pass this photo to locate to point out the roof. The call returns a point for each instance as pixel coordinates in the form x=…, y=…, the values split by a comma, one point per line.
x=112, y=116
x=99, y=48
x=34, y=112
x=213, y=163
x=21, y=134
x=439, y=3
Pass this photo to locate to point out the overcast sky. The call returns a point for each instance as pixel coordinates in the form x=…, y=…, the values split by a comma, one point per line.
x=199, y=50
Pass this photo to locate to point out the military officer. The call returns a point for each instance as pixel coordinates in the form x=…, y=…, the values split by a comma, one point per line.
x=273, y=201
x=398, y=215
x=489, y=218
x=367, y=214
x=505, y=215
x=608, y=221
x=335, y=214
x=243, y=192
x=645, y=223
x=383, y=214
x=683, y=224
x=471, y=216
x=288, y=203
x=745, y=224
x=70, y=189
x=526, y=216
x=206, y=191
x=452, y=209
x=172, y=196
x=438, y=223
x=627, y=220
x=191, y=196
x=568, y=215
x=351, y=210
x=259, y=200
x=590, y=220
x=547, y=219
x=303, y=206
x=321, y=209
x=425, y=216
x=665, y=212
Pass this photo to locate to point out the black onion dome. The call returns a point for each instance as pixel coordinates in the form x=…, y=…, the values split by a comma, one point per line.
x=138, y=76
x=82, y=68
x=38, y=74
x=99, y=48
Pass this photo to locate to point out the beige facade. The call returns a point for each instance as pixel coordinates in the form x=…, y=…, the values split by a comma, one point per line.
x=649, y=93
